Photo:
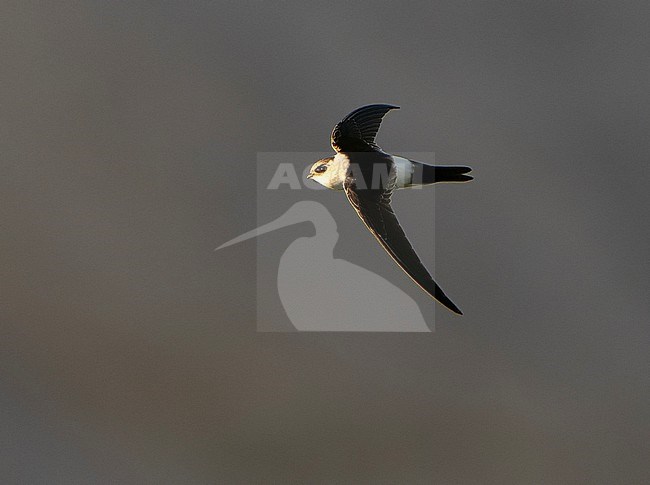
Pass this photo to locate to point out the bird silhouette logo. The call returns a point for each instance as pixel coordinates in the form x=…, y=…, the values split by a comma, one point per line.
x=321, y=293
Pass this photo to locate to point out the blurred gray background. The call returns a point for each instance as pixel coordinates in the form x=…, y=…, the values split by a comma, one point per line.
x=128, y=348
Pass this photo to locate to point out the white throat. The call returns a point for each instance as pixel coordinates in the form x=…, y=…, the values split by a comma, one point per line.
x=336, y=173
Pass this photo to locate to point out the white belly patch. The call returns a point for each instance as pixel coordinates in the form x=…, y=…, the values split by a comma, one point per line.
x=404, y=169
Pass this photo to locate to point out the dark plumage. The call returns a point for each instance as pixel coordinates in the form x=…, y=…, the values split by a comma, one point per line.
x=369, y=177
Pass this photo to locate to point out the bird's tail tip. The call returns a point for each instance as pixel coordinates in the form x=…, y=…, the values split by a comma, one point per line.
x=437, y=173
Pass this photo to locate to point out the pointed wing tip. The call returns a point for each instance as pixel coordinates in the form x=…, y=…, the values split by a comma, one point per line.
x=375, y=106
x=384, y=105
x=451, y=306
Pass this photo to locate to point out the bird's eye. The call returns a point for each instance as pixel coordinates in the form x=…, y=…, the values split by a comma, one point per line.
x=320, y=168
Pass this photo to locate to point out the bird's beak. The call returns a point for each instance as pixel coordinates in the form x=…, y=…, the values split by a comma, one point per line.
x=311, y=175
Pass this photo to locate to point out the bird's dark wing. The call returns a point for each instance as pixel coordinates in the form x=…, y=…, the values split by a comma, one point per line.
x=357, y=131
x=373, y=207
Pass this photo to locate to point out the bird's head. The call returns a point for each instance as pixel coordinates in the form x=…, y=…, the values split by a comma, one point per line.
x=323, y=172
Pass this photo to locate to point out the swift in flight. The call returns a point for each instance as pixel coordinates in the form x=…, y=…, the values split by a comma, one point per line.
x=369, y=176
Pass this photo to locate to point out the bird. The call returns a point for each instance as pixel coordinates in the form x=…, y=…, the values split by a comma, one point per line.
x=369, y=176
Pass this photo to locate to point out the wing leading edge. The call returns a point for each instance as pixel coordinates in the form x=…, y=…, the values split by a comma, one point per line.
x=374, y=209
